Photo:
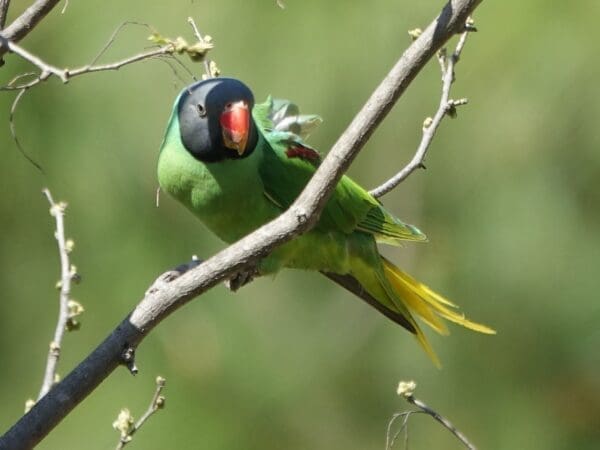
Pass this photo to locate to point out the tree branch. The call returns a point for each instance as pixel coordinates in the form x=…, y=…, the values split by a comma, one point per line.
x=430, y=126
x=301, y=215
x=406, y=390
x=125, y=424
x=65, y=75
x=57, y=210
x=168, y=47
x=23, y=24
x=4, y=4
x=200, y=38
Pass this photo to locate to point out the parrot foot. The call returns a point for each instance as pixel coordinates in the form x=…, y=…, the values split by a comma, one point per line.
x=241, y=278
x=173, y=274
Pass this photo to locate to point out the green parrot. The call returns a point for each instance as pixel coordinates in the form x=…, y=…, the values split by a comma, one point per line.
x=237, y=165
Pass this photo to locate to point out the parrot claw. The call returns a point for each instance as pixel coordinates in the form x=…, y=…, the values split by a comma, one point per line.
x=173, y=274
x=241, y=279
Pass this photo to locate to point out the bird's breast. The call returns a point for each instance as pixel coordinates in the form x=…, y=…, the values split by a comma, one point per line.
x=227, y=196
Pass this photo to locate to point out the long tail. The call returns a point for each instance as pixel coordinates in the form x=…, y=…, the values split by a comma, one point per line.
x=426, y=304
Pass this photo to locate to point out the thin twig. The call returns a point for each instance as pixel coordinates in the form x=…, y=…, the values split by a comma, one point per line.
x=441, y=419
x=4, y=4
x=391, y=440
x=21, y=76
x=430, y=126
x=124, y=422
x=13, y=131
x=27, y=21
x=406, y=390
x=114, y=35
x=47, y=70
x=57, y=210
x=200, y=38
x=298, y=218
x=65, y=75
x=169, y=59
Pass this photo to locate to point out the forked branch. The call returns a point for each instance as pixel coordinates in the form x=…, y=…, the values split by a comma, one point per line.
x=406, y=390
x=447, y=107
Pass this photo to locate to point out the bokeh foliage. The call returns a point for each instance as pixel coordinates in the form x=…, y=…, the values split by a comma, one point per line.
x=510, y=202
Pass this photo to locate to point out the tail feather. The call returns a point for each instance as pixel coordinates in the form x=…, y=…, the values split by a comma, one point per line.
x=398, y=300
x=350, y=283
x=428, y=305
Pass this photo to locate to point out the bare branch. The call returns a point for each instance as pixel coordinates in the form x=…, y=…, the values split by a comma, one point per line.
x=301, y=215
x=406, y=390
x=124, y=422
x=168, y=47
x=113, y=37
x=391, y=440
x=172, y=61
x=200, y=38
x=430, y=126
x=441, y=419
x=26, y=22
x=57, y=210
x=65, y=75
x=13, y=131
x=46, y=69
x=4, y=4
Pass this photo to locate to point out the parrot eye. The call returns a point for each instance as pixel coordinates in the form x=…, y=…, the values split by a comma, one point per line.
x=201, y=110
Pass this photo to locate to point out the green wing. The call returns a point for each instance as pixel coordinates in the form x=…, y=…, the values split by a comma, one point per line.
x=289, y=163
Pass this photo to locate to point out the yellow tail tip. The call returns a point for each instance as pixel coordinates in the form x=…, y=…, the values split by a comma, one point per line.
x=424, y=343
x=429, y=306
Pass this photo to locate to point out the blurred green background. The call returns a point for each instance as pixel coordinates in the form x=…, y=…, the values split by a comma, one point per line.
x=510, y=202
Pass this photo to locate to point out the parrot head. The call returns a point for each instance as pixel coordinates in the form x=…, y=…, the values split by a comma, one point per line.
x=215, y=120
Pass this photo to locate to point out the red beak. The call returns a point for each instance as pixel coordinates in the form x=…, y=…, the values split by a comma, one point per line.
x=235, y=126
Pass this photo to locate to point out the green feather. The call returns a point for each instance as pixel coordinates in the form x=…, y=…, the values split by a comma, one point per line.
x=350, y=208
x=234, y=197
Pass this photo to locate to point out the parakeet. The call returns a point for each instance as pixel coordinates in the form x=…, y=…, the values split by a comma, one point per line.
x=237, y=165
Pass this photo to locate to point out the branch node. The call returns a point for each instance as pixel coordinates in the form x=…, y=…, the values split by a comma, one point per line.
x=470, y=25
x=427, y=123
x=29, y=403
x=55, y=348
x=128, y=359
x=301, y=216
x=242, y=278
x=415, y=33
